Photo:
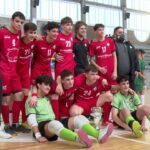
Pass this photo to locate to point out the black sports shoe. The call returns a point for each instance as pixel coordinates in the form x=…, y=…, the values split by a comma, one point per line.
x=20, y=128
x=8, y=129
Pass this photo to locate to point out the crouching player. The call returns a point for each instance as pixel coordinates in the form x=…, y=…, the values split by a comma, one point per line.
x=66, y=100
x=42, y=119
x=127, y=110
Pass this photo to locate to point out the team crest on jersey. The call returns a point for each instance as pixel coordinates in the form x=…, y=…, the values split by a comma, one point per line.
x=85, y=45
x=108, y=44
x=71, y=39
x=18, y=37
x=54, y=46
x=95, y=88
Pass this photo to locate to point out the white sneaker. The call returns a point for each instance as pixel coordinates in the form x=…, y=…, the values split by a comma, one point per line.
x=105, y=133
x=4, y=135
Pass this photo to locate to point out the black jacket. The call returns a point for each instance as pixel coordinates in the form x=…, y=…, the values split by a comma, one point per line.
x=134, y=66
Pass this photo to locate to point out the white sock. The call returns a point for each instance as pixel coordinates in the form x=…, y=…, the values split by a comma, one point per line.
x=142, y=99
x=10, y=118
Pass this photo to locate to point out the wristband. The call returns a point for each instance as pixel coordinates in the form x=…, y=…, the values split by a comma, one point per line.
x=37, y=135
x=34, y=94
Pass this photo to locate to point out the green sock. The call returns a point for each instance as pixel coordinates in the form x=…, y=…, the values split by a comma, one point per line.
x=68, y=135
x=90, y=130
x=128, y=120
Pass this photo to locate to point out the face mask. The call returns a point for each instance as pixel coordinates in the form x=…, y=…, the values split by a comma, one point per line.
x=121, y=38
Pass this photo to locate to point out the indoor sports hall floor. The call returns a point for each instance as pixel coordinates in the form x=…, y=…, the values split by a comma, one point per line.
x=120, y=140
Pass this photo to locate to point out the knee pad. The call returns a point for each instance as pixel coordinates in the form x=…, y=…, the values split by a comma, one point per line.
x=79, y=121
x=55, y=127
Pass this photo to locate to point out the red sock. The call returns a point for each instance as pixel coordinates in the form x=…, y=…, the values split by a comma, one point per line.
x=16, y=108
x=5, y=113
x=24, y=118
x=106, y=111
x=55, y=106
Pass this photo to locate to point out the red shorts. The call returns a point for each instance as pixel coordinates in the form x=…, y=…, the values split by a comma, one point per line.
x=86, y=105
x=11, y=83
x=109, y=79
x=37, y=72
x=25, y=81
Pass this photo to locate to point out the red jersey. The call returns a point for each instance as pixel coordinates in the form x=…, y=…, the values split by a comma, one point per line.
x=65, y=48
x=86, y=93
x=43, y=53
x=9, y=49
x=24, y=59
x=67, y=99
x=103, y=51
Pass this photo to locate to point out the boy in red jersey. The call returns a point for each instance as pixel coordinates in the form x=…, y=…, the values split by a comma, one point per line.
x=64, y=41
x=88, y=94
x=9, y=49
x=44, y=51
x=27, y=45
x=104, y=52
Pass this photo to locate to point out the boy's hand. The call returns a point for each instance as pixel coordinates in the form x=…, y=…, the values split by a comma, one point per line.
x=143, y=127
x=59, y=57
x=103, y=70
x=41, y=139
x=59, y=90
x=114, y=75
x=33, y=101
x=131, y=91
x=104, y=82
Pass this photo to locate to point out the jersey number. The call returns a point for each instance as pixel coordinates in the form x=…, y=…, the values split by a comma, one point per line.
x=68, y=43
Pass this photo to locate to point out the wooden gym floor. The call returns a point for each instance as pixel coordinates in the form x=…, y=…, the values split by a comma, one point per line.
x=120, y=140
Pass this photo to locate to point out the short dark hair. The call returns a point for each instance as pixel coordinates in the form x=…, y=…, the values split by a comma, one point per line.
x=18, y=14
x=30, y=26
x=78, y=25
x=142, y=51
x=51, y=25
x=44, y=79
x=117, y=28
x=98, y=26
x=122, y=78
x=90, y=67
x=65, y=73
x=66, y=20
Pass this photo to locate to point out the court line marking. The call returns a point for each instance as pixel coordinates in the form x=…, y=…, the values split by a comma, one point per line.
x=127, y=139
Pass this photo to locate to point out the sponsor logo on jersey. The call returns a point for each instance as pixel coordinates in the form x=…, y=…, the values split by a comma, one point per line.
x=6, y=37
x=43, y=48
x=62, y=39
x=95, y=88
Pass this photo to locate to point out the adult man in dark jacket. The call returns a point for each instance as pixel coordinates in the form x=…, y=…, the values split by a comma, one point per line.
x=126, y=56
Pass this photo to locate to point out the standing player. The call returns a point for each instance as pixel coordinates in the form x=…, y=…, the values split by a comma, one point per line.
x=139, y=80
x=44, y=51
x=80, y=47
x=64, y=42
x=24, y=62
x=103, y=51
x=9, y=48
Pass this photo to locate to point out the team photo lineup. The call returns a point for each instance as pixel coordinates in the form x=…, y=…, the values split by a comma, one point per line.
x=56, y=84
